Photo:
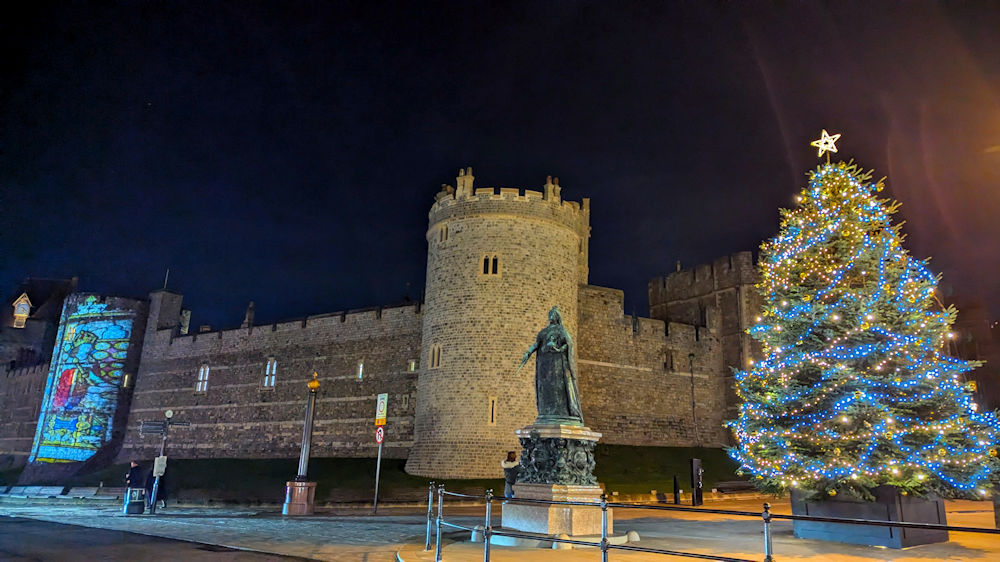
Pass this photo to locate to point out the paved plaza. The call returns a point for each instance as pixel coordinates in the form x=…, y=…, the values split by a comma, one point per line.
x=350, y=534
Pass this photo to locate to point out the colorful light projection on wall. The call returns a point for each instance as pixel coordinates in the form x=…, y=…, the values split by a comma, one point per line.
x=81, y=394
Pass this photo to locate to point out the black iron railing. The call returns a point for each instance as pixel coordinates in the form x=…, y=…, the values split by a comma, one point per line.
x=605, y=545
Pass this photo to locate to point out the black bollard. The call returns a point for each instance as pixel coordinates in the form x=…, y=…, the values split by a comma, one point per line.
x=677, y=492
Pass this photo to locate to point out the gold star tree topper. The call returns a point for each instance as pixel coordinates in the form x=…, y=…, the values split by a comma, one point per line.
x=826, y=143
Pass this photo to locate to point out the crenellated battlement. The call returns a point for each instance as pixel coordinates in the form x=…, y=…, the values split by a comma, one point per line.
x=547, y=204
x=724, y=272
x=345, y=325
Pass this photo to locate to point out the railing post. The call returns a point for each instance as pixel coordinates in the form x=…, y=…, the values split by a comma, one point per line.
x=488, y=527
x=437, y=547
x=768, y=553
x=430, y=515
x=604, y=527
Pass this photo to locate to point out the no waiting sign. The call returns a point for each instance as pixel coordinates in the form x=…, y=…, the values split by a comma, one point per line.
x=379, y=434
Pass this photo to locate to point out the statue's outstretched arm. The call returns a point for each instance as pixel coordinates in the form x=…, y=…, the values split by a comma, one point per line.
x=527, y=354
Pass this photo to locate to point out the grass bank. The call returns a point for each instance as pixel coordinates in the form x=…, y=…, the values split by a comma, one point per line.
x=623, y=469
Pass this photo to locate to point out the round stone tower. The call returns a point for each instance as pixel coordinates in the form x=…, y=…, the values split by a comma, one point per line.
x=497, y=261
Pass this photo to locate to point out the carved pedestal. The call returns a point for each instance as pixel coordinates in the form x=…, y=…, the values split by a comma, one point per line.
x=557, y=464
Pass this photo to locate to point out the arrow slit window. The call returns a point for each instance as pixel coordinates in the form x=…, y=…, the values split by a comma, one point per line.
x=361, y=369
x=202, y=384
x=493, y=411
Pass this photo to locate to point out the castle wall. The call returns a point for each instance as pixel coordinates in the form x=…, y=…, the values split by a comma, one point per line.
x=636, y=376
x=726, y=284
x=470, y=404
x=238, y=415
x=20, y=400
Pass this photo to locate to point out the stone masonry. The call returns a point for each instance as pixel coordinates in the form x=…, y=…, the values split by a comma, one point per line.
x=727, y=285
x=498, y=259
x=20, y=402
x=357, y=354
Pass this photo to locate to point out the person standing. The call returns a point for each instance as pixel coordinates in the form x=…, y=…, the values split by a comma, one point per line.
x=510, y=470
x=133, y=479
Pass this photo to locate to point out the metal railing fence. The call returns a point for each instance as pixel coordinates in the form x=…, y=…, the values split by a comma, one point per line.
x=605, y=544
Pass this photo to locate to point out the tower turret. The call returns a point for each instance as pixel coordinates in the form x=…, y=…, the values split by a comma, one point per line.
x=497, y=261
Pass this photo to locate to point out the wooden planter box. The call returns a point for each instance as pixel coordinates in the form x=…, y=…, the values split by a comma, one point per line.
x=889, y=505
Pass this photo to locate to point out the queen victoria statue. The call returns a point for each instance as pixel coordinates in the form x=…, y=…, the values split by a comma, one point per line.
x=556, y=390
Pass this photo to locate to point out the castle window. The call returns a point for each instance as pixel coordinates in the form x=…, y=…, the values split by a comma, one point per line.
x=443, y=233
x=434, y=356
x=404, y=400
x=270, y=372
x=412, y=365
x=492, y=420
x=202, y=384
x=126, y=380
x=361, y=369
x=491, y=264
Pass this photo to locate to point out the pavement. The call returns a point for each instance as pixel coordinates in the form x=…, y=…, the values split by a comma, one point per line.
x=352, y=533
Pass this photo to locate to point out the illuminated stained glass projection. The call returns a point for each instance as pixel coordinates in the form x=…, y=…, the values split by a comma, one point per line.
x=81, y=394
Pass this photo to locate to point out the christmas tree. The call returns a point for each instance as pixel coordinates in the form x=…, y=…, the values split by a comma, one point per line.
x=855, y=389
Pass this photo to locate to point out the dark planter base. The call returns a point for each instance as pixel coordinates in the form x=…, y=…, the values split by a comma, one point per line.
x=889, y=506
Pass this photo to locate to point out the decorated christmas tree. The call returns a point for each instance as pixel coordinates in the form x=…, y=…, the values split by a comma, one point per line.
x=855, y=388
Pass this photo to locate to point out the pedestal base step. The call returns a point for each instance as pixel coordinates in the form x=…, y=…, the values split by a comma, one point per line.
x=539, y=540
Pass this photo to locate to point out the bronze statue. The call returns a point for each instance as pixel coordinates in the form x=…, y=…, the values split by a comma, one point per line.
x=556, y=391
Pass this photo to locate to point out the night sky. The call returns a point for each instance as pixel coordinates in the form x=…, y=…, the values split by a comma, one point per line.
x=288, y=153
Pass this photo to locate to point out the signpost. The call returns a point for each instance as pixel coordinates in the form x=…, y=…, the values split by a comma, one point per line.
x=161, y=428
x=381, y=407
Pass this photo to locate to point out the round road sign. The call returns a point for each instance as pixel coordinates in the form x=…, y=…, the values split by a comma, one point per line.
x=379, y=434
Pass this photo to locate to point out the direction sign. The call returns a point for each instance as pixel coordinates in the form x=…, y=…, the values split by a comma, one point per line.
x=147, y=427
x=381, y=407
x=379, y=434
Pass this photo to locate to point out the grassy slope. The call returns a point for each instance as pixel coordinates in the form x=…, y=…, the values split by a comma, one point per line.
x=620, y=468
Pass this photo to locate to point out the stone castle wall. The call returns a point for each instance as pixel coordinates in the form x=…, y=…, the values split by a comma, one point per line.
x=727, y=285
x=469, y=405
x=21, y=392
x=239, y=416
x=637, y=376
x=498, y=260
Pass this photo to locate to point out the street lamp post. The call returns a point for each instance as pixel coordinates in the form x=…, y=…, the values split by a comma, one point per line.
x=300, y=494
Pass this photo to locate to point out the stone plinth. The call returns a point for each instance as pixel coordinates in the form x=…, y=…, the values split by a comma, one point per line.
x=557, y=464
x=556, y=519
x=299, y=498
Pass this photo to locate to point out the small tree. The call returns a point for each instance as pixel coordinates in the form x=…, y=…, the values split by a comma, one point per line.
x=855, y=389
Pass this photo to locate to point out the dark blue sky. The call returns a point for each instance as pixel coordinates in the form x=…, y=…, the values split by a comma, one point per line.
x=288, y=152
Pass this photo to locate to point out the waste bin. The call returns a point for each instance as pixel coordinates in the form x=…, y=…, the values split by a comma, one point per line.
x=135, y=501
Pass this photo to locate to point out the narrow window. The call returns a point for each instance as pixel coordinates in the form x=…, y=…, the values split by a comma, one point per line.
x=493, y=411
x=412, y=365
x=361, y=369
x=434, y=359
x=404, y=400
x=270, y=372
x=202, y=384
x=443, y=234
x=491, y=264
x=126, y=380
